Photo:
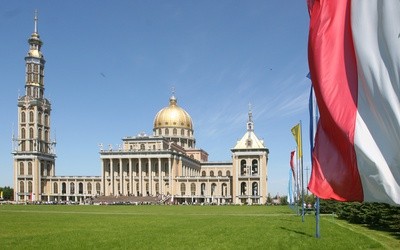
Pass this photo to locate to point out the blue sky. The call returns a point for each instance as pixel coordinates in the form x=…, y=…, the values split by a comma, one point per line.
x=111, y=66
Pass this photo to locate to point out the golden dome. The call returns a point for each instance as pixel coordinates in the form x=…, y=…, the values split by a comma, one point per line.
x=173, y=116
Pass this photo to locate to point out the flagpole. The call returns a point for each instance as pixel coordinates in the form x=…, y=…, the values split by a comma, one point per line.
x=315, y=121
x=298, y=180
x=302, y=179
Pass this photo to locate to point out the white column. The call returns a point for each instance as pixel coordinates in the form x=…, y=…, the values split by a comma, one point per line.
x=150, y=181
x=238, y=184
x=130, y=176
x=112, y=176
x=103, y=173
x=121, y=181
x=261, y=181
x=170, y=175
x=140, y=176
x=160, y=182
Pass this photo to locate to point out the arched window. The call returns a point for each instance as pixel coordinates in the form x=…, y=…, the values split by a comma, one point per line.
x=159, y=131
x=31, y=116
x=254, y=188
x=30, y=187
x=174, y=131
x=182, y=132
x=166, y=131
x=203, y=173
x=224, y=190
x=72, y=188
x=166, y=187
x=193, y=188
x=21, y=168
x=212, y=173
x=183, y=188
x=31, y=133
x=254, y=167
x=80, y=188
x=55, y=188
x=63, y=188
x=21, y=187
x=46, y=120
x=89, y=188
x=98, y=187
x=228, y=173
x=40, y=134
x=23, y=133
x=213, y=188
x=23, y=117
x=29, y=168
x=40, y=117
x=142, y=147
x=46, y=135
x=202, y=189
x=220, y=173
x=243, y=167
x=243, y=188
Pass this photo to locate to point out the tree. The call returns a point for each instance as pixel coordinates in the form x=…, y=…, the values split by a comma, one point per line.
x=269, y=199
x=283, y=200
x=8, y=193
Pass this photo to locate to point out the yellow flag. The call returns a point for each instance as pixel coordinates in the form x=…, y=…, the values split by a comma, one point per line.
x=296, y=131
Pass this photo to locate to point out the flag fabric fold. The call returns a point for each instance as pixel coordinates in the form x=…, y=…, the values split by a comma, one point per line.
x=292, y=156
x=290, y=197
x=296, y=131
x=354, y=59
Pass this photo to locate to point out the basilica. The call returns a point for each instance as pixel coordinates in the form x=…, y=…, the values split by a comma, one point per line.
x=165, y=164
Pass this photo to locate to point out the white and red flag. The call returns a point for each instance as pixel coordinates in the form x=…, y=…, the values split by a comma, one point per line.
x=354, y=59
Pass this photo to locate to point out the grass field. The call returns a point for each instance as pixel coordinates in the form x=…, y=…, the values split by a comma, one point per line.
x=188, y=227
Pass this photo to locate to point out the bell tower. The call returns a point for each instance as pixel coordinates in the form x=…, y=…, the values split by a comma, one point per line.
x=250, y=171
x=33, y=150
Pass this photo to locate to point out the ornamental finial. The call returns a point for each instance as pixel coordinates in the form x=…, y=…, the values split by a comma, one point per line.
x=36, y=22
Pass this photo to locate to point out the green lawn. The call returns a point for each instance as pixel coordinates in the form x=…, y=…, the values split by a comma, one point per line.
x=209, y=227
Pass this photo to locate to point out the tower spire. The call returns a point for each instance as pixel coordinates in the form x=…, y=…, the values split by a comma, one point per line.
x=34, y=60
x=172, y=99
x=35, y=22
x=250, y=126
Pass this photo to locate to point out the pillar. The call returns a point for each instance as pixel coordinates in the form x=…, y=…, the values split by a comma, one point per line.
x=112, y=177
x=102, y=187
x=130, y=176
x=140, y=177
x=160, y=181
x=121, y=181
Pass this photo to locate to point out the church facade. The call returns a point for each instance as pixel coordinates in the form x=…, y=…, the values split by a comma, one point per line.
x=166, y=164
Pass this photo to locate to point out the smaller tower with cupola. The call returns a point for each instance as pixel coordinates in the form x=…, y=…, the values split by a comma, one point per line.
x=249, y=167
x=33, y=149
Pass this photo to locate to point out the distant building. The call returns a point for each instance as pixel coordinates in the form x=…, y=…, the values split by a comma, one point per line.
x=166, y=163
